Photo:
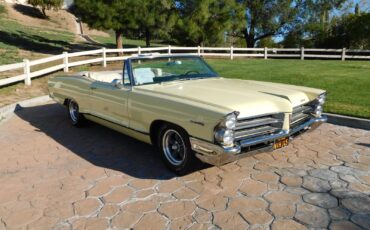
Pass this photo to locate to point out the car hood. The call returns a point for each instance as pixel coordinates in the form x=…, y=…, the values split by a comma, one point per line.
x=250, y=98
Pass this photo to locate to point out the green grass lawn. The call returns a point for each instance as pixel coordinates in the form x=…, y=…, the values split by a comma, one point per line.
x=347, y=83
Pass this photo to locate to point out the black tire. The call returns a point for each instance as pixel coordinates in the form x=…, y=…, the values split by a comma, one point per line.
x=77, y=119
x=185, y=161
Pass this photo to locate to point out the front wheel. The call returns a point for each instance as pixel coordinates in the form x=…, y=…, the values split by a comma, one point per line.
x=76, y=117
x=175, y=148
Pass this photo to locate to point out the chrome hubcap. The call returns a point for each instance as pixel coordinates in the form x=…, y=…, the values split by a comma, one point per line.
x=73, y=111
x=173, y=147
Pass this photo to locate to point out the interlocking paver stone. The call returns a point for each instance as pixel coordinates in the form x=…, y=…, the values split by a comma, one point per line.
x=357, y=204
x=323, y=200
x=315, y=184
x=212, y=203
x=282, y=210
x=176, y=209
x=324, y=174
x=118, y=195
x=151, y=221
x=293, y=181
x=339, y=213
x=362, y=220
x=312, y=216
x=343, y=225
x=126, y=219
x=257, y=217
x=253, y=188
x=229, y=220
x=282, y=197
x=287, y=224
x=55, y=176
x=86, y=207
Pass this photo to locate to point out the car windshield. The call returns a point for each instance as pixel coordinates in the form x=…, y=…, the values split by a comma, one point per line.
x=165, y=69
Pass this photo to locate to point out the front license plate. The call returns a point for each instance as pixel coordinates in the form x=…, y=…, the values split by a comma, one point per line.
x=281, y=143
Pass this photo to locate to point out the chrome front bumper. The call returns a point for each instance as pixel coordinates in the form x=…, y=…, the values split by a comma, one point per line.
x=219, y=155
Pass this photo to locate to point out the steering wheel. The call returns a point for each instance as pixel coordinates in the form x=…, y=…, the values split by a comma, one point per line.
x=192, y=71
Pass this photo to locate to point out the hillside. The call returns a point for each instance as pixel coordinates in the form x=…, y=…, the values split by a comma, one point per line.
x=24, y=33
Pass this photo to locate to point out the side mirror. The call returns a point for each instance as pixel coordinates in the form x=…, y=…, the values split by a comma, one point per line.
x=117, y=83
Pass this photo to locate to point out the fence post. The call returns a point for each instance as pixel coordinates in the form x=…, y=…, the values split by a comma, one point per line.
x=27, y=72
x=231, y=52
x=343, y=54
x=198, y=50
x=302, y=53
x=65, y=62
x=138, y=50
x=169, y=49
x=104, y=53
x=265, y=53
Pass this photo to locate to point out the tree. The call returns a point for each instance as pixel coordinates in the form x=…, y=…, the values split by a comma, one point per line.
x=267, y=18
x=156, y=17
x=203, y=22
x=117, y=15
x=46, y=5
x=350, y=31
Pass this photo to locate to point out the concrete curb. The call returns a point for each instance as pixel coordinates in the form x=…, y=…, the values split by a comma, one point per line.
x=353, y=122
x=8, y=110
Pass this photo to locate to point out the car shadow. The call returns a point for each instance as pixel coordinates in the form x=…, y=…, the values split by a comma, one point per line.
x=101, y=146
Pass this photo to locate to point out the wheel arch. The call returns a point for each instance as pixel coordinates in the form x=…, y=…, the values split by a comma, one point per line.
x=156, y=125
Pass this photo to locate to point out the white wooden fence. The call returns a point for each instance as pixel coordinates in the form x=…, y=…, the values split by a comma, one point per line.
x=108, y=55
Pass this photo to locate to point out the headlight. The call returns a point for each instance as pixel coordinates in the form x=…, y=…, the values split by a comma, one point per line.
x=319, y=106
x=230, y=121
x=224, y=132
x=318, y=110
x=321, y=99
x=225, y=136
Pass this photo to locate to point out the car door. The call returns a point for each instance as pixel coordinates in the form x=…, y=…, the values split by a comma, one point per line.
x=109, y=100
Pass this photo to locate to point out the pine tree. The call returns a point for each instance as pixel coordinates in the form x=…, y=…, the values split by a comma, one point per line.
x=203, y=22
x=117, y=15
x=46, y=5
x=155, y=17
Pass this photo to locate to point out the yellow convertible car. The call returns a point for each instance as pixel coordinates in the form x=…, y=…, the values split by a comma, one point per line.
x=181, y=105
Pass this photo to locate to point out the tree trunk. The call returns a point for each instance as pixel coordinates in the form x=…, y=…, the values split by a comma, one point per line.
x=249, y=39
x=119, y=41
x=147, y=37
x=250, y=42
x=43, y=10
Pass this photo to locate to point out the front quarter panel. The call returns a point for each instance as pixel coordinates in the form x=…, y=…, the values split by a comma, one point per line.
x=196, y=118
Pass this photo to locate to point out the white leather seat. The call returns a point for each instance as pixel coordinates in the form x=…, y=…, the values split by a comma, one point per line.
x=104, y=76
x=143, y=75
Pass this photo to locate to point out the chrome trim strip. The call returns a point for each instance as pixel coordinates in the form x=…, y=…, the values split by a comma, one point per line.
x=266, y=138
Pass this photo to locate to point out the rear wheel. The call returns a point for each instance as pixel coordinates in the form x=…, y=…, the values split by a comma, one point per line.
x=76, y=117
x=175, y=148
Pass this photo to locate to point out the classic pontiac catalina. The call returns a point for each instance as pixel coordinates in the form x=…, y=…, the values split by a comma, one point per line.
x=180, y=104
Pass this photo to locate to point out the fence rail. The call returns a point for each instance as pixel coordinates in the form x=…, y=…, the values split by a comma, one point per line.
x=102, y=56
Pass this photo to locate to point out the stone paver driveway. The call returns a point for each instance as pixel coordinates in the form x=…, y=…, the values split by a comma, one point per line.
x=53, y=175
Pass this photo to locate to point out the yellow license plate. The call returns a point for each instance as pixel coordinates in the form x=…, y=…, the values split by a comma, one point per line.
x=281, y=143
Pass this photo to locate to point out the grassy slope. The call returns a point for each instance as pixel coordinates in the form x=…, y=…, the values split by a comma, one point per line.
x=127, y=43
x=14, y=36
x=347, y=83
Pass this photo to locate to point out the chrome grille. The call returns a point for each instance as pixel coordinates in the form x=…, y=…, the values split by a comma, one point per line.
x=301, y=114
x=258, y=126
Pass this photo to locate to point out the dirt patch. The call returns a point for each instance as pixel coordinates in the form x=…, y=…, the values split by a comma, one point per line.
x=30, y=16
x=61, y=19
